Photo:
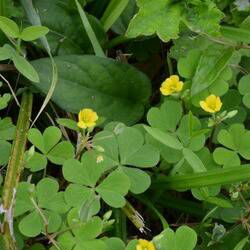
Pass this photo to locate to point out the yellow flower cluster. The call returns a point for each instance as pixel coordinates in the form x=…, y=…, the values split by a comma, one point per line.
x=171, y=85
x=145, y=245
x=87, y=118
x=211, y=104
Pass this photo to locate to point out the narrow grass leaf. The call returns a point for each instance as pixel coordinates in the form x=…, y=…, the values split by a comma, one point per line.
x=113, y=11
x=91, y=34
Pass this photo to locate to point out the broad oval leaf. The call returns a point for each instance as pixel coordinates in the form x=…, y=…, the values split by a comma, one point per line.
x=33, y=32
x=115, y=90
x=9, y=27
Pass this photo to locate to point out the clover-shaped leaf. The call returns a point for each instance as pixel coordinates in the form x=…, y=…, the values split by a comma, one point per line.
x=114, y=188
x=83, y=234
x=184, y=238
x=50, y=148
x=86, y=174
x=167, y=117
x=125, y=147
x=45, y=199
x=170, y=132
x=237, y=139
x=225, y=157
x=244, y=89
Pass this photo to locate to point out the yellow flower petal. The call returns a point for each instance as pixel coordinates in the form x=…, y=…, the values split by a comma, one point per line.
x=171, y=85
x=87, y=118
x=211, y=104
x=145, y=245
x=218, y=104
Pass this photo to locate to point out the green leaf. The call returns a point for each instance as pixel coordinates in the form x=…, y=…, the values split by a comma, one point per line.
x=84, y=230
x=210, y=178
x=68, y=123
x=86, y=173
x=114, y=244
x=204, y=17
x=91, y=34
x=194, y=161
x=185, y=69
x=23, y=195
x=132, y=245
x=61, y=152
x=51, y=136
x=139, y=155
x=219, y=202
x=121, y=24
x=166, y=117
x=76, y=194
x=54, y=220
x=226, y=157
x=108, y=141
x=236, y=138
x=89, y=81
x=46, y=190
x=25, y=68
x=9, y=27
x=139, y=180
x=5, y=148
x=210, y=66
x=241, y=244
x=152, y=18
x=190, y=134
x=91, y=245
x=184, y=238
x=64, y=39
x=33, y=32
x=65, y=241
x=31, y=225
x=244, y=89
x=4, y=100
x=46, y=141
x=36, y=138
x=37, y=162
x=5, y=52
x=114, y=197
x=243, y=86
x=236, y=34
x=112, y=12
x=164, y=137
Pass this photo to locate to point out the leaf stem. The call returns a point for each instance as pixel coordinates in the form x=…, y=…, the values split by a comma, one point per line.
x=14, y=169
x=120, y=224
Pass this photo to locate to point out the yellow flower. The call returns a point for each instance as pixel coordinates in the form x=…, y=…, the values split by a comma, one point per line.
x=145, y=245
x=211, y=104
x=171, y=85
x=87, y=118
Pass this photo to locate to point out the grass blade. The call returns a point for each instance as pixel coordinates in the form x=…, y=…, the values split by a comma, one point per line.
x=91, y=34
x=210, y=178
x=113, y=11
x=35, y=20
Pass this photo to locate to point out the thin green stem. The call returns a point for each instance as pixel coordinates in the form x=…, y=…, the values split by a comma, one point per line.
x=117, y=41
x=170, y=65
x=120, y=224
x=15, y=168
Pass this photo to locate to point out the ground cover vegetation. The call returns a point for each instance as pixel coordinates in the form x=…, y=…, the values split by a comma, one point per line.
x=124, y=124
